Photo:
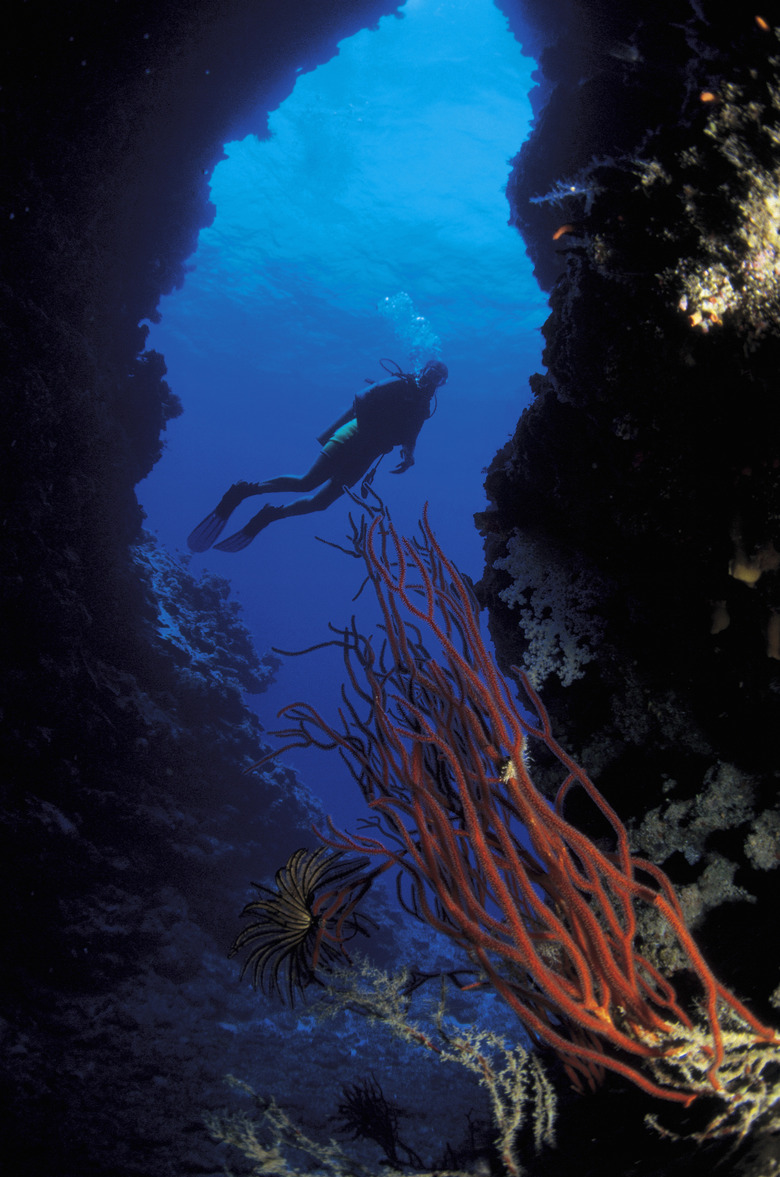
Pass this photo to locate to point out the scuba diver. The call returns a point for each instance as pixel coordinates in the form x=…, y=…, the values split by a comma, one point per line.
x=389, y=413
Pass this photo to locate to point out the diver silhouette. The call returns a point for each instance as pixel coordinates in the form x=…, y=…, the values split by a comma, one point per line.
x=389, y=413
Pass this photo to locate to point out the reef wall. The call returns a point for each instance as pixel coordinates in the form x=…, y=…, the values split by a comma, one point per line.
x=633, y=535
x=128, y=829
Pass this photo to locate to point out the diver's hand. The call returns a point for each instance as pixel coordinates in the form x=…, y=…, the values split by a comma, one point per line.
x=408, y=460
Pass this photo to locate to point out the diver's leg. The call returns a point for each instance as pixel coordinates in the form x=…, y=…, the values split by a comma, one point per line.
x=318, y=473
x=341, y=471
x=318, y=502
x=269, y=513
x=210, y=529
x=350, y=465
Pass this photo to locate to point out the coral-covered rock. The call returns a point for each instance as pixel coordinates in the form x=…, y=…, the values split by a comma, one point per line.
x=649, y=459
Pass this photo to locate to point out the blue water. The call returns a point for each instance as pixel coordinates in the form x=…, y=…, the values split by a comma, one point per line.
x=380, y=190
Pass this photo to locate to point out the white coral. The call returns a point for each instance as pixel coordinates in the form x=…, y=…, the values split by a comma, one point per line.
x=560, y=606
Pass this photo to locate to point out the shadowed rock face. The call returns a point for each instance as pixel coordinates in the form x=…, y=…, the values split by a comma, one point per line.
x=129, y=833
x=632, y=539
x=643, y=473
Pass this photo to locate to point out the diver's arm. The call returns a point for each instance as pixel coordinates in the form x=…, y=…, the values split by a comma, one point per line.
x=408, y=444
x=342, y=420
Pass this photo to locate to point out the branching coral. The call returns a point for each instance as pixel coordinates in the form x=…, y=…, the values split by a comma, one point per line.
x=514, y=1079
x=548, y=917
x=272, y=1141
x=558, y=606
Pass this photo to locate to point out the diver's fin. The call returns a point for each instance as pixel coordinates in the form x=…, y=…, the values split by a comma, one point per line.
x=202, y=537
x=236, y=542
x=243, y=538
x=213, y=525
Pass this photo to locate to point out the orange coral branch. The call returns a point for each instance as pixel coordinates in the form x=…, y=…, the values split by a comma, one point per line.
x=440, y=758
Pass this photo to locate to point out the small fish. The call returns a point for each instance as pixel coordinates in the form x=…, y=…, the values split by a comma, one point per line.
x=624, y=52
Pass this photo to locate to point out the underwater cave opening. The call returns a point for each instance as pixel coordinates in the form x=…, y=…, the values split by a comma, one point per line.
x=371, y=223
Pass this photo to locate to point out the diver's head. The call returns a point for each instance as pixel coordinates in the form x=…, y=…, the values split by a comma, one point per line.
x=433, y=375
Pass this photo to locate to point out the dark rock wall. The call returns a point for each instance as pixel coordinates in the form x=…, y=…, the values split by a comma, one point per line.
x=608, y=75
x=129, y=833
x=633, y=535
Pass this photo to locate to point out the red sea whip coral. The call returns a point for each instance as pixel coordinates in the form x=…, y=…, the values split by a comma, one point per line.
x=439, y=748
